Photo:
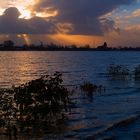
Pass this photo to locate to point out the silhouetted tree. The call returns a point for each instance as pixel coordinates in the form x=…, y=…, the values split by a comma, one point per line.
x=8, y=44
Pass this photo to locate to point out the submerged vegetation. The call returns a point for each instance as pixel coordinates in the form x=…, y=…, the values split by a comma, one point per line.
x=118, y=72
x=38, y=105
x=137, y=72
x=122, y=72
x=88, y=87
x=38, y=102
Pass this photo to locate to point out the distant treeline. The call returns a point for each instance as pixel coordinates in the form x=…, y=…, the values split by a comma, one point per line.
x=9, y=45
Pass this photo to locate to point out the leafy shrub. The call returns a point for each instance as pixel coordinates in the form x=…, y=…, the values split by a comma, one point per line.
x=38, y=101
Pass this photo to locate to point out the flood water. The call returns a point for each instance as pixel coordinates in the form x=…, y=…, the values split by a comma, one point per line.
x=114, y=113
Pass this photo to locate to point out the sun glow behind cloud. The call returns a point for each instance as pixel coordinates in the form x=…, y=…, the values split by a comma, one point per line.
x=26, y=8
x=23, y=6
x=46, y=15
x=121, y=17
x=76, y=39
x=26, y=14
x=26, y=38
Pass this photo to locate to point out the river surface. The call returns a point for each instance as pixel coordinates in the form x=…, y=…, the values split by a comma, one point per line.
x=114, y=113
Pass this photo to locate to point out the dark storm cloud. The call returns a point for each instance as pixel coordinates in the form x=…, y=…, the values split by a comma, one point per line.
x=75, y=16
x=83, y=14
x=10, y=23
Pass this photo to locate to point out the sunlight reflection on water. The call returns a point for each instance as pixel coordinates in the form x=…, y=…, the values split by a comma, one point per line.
x=20, y=67
x=120, y=100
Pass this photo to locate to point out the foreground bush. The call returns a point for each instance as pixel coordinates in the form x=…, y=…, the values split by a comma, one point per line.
x=36, y=102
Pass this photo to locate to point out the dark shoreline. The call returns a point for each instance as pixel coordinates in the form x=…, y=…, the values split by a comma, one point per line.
x=93, y=50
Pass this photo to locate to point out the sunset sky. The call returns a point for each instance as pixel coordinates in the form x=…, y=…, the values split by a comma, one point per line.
x=71, y=21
